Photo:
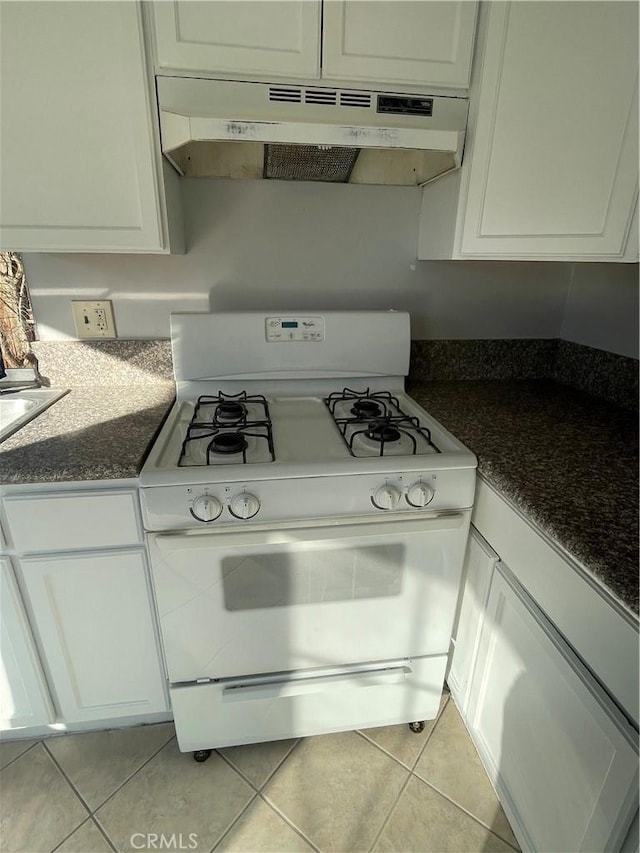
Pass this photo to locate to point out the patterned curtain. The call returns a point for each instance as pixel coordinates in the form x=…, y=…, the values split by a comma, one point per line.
x=17, y=326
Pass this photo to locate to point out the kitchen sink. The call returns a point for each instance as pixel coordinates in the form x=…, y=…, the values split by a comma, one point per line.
x=17, y=408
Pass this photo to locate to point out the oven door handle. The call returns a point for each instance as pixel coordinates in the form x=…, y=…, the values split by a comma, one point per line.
x=296, y=535
x=315, y=684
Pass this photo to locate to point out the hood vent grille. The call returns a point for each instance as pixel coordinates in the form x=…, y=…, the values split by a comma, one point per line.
x=320, y=96
x=355, y=99
x=330, y=97
x=288, y=95
x=309, y=163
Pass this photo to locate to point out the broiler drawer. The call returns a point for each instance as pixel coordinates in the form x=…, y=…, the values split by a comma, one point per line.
x=73, y=520
x=250, y=710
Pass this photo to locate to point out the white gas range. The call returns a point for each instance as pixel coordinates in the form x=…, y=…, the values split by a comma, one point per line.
x=307, y=523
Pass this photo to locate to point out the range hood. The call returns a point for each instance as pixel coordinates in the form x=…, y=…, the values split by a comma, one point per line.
x=222, y=128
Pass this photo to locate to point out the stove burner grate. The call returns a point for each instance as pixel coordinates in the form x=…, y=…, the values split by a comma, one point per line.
x=228, y=426
x=378, y=418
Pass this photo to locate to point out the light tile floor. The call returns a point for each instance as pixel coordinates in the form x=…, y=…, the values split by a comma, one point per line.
x=379, y=789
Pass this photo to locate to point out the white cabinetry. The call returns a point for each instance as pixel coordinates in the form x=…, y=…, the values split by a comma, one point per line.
x=263, y=37
x=544, y=671
x=479, y=563
x=82, y=568
x=551, y=162
x=562, y=757
x=93, y=617
x=24, y=696
x=375, y=42
x=80, y=168
x=399, y=41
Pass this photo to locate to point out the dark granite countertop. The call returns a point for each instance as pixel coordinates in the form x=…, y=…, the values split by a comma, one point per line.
x=92, y=433
x=567, y=459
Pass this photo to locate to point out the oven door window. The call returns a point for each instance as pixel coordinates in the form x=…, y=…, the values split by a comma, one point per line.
x=312, y=577
x=275, y=601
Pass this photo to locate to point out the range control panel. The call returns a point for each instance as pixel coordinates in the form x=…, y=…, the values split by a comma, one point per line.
x=288, y=329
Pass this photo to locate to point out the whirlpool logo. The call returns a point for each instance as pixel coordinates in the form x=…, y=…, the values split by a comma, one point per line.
x=160, y=841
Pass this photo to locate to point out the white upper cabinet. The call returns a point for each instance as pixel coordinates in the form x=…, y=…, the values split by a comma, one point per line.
x=399, y=41
x=551, y=163
x=263, y=37
x=79, y=165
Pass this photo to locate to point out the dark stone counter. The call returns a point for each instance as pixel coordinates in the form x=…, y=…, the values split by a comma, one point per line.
x=92, y=433
x=567, y=459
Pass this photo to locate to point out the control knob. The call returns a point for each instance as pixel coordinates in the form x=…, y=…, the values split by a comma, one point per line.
x=244, y=505
x=419, y=494
x=206, y=508
x=386, y=497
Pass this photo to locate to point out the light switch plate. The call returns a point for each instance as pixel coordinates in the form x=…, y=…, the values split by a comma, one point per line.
x=94, y=319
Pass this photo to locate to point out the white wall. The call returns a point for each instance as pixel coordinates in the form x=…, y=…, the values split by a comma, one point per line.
x=602, y=308
x=289, y=246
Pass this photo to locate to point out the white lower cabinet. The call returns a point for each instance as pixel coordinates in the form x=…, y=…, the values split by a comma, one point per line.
x=24, y=695
x=80, y=647
x=563, y=759
x=92, y=613
x=480, y=560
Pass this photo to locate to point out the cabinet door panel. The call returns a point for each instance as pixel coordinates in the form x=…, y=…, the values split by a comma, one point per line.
x=93, y=615
x=553, y=169
x=479, y=563
x=280, y=37
x=77, y=165
x=399, y=41
x=24, y=697
x=561, y=756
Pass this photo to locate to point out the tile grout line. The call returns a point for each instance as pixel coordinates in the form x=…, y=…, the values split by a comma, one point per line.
x=228, y=829
x=261, y=796
x=28, y=749
x=103, y=832
x=67, y=837
x=408, y=767
x=465, y=811
x=435, y=788
x=256, y=788
x=68, y=781
x=130, y=777
x=289, y=822
x=113, y=793
x=408, y=779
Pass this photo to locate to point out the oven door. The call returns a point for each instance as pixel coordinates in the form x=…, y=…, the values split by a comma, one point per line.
x=251, y=602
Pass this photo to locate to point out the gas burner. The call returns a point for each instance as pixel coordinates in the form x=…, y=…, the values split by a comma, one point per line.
x=382, y=432
x=228, y=442
x=228, y=429
x=372, y=423
x=366, y=404
x=229, y=411
x=366, y=409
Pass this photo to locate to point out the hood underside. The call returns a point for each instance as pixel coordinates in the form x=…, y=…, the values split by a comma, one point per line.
x=251, y=130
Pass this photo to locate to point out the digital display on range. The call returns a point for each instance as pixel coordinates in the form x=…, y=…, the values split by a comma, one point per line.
x=294, y=329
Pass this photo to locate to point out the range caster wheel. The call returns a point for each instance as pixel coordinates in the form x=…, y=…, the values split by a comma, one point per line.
x=201, y=755
x=416, y=728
